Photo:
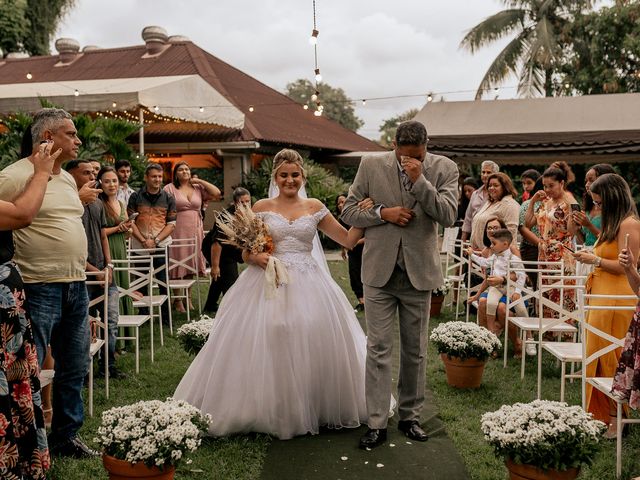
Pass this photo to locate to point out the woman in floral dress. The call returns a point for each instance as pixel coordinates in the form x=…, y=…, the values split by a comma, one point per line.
x=557, y=232
x=24, y=453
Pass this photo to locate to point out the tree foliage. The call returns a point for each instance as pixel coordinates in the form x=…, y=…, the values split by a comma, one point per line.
x=337, y=106
x=29, y=25
x=605, y=51
x=537, y=31
x=103, y=139
x=389, y=126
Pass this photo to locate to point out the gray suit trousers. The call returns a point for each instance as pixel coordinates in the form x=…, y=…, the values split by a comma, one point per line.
x=412, y=305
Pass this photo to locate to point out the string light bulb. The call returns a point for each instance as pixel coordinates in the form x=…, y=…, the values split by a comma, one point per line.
x=305, y=106
x=314, y=97
x=567, y=85
x=318, y=76
x=156, y=109
x=429, y=98
x=313, y=40
x=201, y=109
x=114, y=104
x=251, y=108
x=29, y=76
x=364, y=102
x=76, y=92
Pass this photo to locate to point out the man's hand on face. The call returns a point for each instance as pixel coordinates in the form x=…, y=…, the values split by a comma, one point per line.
x=412, y=166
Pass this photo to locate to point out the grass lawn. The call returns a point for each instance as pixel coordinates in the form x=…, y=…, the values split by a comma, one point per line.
x=241, y=457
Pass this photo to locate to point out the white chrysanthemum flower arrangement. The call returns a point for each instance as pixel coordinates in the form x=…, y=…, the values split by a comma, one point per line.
x=550, y=435
x=443, y=289
x=194, y=335
x=464, y=340
x=154, y=432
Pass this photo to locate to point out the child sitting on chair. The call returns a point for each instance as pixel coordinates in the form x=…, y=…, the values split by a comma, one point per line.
x=497, y=265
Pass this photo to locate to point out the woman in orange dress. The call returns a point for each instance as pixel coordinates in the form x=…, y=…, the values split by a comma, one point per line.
x=620, y=226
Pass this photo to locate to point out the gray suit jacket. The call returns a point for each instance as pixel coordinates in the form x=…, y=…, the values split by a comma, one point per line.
x=433, y=198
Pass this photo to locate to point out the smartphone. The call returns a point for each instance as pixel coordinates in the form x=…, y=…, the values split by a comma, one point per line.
x=132, y=216
x=626, y=241
x=97, y=184
x=568, y=248
x=575, y=207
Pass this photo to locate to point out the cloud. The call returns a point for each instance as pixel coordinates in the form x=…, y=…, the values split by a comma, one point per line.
x=371, y=48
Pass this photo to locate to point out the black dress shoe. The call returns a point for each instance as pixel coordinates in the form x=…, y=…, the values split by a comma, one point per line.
x=74, y=448
x=373, y=438
x=116, y=374
x=413, y=430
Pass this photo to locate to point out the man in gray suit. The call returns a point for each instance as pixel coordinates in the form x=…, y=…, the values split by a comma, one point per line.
x=413, y=191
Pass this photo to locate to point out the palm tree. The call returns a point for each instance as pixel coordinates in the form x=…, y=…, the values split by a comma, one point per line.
x=538, y=43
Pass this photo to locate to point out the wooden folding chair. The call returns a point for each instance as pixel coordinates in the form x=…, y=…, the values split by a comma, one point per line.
x=99, y=330
x=140, y=271
x=189, y=262
x=565, y=324
x=531, y=294
x=156, y=299
x=586, y=304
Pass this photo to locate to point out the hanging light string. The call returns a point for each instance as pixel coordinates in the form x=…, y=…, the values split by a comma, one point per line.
x=317, y=76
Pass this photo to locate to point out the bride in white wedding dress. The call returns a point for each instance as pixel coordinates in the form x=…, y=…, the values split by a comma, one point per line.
x=287, y=365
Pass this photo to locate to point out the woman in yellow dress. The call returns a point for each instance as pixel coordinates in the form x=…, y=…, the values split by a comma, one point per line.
x=620, y=226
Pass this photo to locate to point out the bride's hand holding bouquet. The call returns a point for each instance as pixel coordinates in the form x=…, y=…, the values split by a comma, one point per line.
x=246, y=231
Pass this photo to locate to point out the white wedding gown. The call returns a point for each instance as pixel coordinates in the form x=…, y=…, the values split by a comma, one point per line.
x=287, y=365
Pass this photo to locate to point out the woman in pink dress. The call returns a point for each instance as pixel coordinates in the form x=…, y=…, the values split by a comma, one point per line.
x=191, y=196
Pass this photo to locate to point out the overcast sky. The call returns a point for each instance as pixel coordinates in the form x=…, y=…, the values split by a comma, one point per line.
x=370, y=48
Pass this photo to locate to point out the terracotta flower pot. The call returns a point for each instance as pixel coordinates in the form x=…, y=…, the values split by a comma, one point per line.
x=123, y=470
x=531, y=472
x=461, y=373
x=436, y=305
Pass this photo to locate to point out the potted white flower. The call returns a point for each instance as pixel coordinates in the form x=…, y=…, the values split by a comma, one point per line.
x=194, y=335
x=543, y=439
x=147, y=439
x=437, y=297
x=464, y=348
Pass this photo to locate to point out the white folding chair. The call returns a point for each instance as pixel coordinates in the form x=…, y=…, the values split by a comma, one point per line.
x=156, y=299
x=189, y=262
x=101, y=325
x=472, y=269
x=565, y=324
x=140, y=271
x=531, y=294
x=586, y=304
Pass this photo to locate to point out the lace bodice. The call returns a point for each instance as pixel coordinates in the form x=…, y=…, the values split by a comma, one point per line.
x=293, y=240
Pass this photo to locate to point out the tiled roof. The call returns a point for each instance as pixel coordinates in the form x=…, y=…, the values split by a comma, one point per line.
x=276, y=119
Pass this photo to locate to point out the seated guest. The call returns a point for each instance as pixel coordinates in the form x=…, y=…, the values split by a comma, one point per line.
x=501, y=203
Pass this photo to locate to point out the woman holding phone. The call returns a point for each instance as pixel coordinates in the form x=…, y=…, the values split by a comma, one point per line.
x=590, y=220
x=118, y=229
x=557, y=231
x=620, y=231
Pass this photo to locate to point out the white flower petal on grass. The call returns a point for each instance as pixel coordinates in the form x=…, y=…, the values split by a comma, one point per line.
x=344, y=458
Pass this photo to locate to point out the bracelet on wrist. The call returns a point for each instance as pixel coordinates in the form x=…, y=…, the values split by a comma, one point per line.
x=597, y=261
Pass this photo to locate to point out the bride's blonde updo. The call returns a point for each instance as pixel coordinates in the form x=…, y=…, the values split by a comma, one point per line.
x=287, y=155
